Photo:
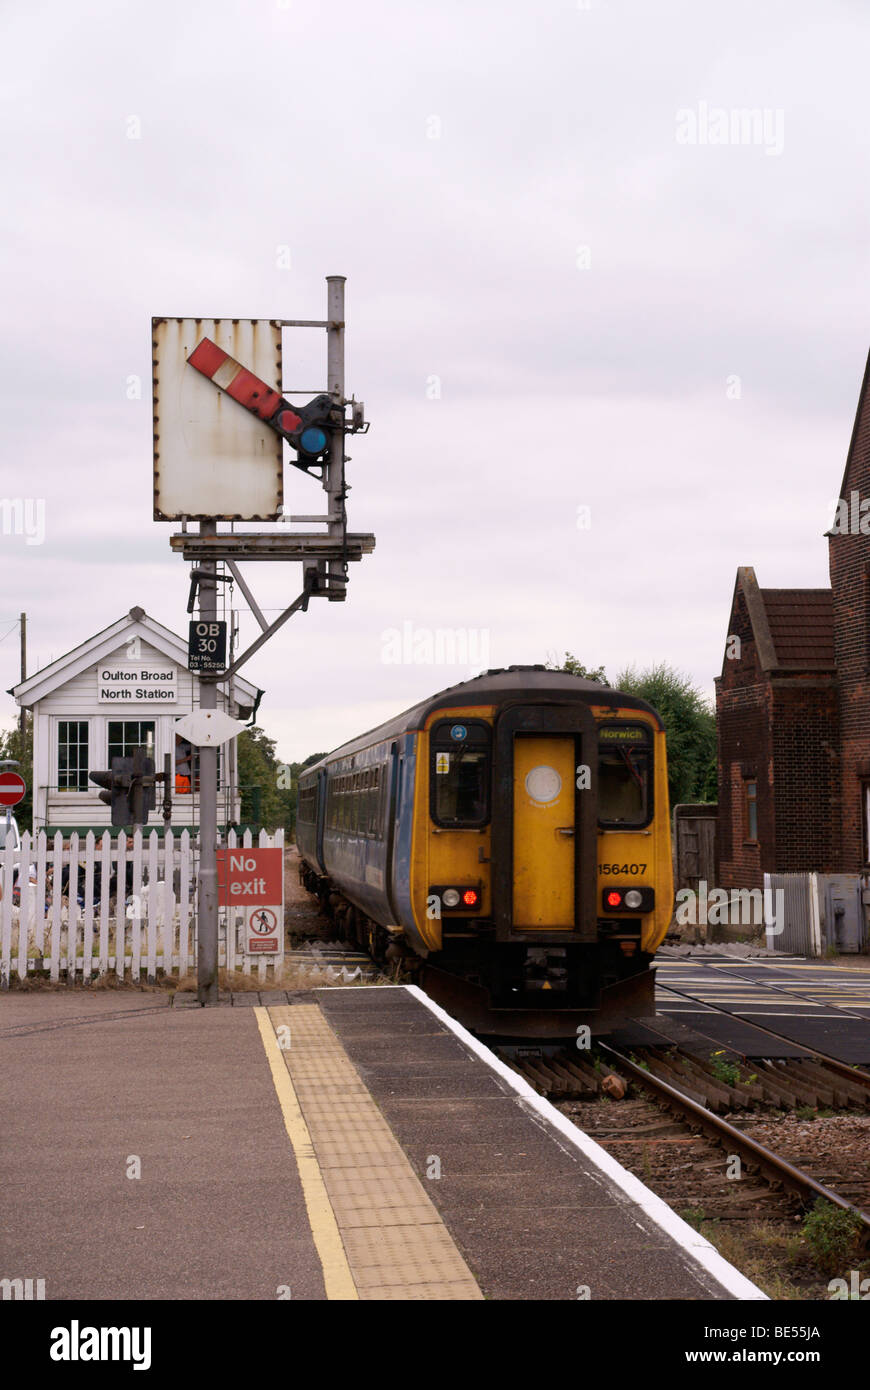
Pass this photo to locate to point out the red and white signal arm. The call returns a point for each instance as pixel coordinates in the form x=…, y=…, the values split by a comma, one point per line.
x=12, y=788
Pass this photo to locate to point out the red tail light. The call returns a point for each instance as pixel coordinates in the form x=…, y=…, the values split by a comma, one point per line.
x=614, y=899
x=469, y=897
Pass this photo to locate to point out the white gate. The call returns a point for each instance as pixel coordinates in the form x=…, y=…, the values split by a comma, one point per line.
x=124, y=905
x=799, y=932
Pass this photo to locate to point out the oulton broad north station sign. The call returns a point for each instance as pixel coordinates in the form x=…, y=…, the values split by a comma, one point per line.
x=126, y=683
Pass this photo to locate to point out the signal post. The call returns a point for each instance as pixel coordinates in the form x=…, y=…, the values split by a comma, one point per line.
x=222, y=416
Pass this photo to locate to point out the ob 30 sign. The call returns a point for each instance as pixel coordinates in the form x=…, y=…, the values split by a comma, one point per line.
x=252, y=881
x=207, y=646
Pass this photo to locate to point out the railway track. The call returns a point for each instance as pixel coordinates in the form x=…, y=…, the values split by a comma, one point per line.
x=721, y=1084
x=776, y=1169
x=707, y=1095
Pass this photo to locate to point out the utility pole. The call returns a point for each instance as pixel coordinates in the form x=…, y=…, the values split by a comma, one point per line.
x=206, y=886
x=22, y=718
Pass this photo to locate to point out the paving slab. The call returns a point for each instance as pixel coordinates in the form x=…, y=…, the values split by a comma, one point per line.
x=217, y=1211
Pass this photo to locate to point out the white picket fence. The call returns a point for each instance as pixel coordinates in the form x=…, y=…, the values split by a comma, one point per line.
x=140, y=932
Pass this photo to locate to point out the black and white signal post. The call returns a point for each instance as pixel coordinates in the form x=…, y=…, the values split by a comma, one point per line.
x=222, y=419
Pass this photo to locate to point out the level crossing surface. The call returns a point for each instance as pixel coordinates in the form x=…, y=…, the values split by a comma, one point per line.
x=815, y=1005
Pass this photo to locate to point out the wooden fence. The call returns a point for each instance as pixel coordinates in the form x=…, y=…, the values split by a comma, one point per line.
x=123, y=905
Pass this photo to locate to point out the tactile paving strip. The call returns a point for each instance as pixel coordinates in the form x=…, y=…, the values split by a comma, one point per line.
x=397, y=1246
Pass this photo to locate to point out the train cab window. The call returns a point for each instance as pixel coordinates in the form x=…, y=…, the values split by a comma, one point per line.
x=459, y=773
x=624, y=775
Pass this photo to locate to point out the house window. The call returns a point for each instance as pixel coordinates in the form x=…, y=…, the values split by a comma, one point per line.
x=127, y=734
x=72, y=755
x=750, y=803
x=187, y=767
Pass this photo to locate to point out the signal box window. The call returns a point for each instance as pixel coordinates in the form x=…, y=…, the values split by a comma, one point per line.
x=624, y=775
x=187, y=767
x=750, y=806
x=72, y=755
x=459, y=774
x=127, y=734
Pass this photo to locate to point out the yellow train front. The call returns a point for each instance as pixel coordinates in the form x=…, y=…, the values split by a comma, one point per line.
x=510, y=838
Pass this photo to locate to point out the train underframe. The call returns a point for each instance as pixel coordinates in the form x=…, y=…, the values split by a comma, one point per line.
x=534, y=988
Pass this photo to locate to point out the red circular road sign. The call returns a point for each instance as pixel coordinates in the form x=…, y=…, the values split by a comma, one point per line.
x=12, y=788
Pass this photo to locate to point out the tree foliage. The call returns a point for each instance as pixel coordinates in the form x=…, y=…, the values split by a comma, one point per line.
x=269, y=788
x=576, y=668
x=690, y=728
x=11, y=746
x=688, y=717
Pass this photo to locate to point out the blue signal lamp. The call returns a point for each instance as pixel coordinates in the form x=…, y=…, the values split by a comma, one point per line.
x=313, y=441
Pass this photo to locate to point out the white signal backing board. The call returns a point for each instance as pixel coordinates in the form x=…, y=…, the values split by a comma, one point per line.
x=213, y=458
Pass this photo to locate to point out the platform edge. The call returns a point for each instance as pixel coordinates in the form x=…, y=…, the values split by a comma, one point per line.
x=691, y=1241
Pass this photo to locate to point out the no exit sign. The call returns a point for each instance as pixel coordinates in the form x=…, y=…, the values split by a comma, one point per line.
x=252, y=880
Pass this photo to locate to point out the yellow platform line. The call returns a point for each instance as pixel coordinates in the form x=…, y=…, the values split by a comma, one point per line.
x=337, y=1278
x=396, y=1242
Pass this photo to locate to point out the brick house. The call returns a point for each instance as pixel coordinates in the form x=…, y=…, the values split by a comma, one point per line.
x=793, y=706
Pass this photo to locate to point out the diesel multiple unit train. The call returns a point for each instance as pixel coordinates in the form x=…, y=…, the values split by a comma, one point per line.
x=509, y=838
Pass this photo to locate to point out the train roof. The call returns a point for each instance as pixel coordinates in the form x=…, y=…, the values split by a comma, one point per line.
x=492, y=687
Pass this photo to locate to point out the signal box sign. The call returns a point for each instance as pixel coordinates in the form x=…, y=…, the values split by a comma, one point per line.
x=252, y=880
x=207, y=646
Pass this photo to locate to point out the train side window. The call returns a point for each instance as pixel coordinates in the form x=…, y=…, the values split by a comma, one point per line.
x=380, y=798
x=307, y=805
x=624, y=775
x=371, y=802
x=459, y=774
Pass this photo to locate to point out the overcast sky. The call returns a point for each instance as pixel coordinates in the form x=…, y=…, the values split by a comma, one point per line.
x=632, y=298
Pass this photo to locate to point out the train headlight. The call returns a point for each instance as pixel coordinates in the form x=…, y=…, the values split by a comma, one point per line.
x=633, y=899
x=450, y=897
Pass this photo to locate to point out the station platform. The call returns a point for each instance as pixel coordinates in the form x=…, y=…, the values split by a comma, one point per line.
x=338, y=1143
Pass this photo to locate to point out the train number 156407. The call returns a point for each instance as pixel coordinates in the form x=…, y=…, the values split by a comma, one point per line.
x=622, y=868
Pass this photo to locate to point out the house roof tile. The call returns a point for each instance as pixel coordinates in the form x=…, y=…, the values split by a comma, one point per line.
x=801, y=623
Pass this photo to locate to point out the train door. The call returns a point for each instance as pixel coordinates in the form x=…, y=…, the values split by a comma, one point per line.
x=544, y=826
x=543, y=835
x=393, y=773
x=321, y=818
